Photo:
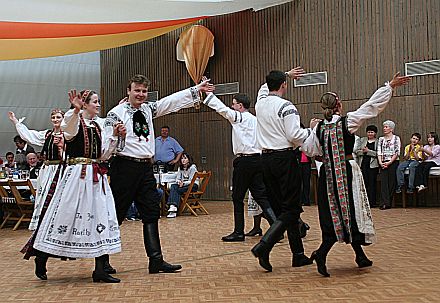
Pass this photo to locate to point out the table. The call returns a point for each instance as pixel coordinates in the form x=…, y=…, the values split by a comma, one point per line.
x=164, y=180
x=33, y=181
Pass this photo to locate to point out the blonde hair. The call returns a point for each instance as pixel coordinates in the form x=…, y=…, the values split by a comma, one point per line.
x=329, y=102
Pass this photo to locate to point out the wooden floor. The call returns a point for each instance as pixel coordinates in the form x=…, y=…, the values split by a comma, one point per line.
x=406, y=265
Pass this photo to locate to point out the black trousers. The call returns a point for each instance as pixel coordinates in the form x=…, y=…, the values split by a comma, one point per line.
x=306, y=173
x=388, y=183
x=134, y=182
x=283, y=183
x=247, y=174
x=370, y=180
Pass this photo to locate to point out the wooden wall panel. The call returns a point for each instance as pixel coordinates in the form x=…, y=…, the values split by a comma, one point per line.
x=360, y=43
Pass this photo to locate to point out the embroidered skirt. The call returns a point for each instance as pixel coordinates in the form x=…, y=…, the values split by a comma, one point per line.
x=44, y=181
x=81, y=219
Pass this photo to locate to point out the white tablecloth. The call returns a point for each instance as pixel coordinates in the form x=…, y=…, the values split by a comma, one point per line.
x=169, y=177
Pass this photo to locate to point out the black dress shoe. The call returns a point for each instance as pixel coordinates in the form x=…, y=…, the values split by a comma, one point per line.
x=320, y=263
x=364, y=262
x=234, y=237
x=260, y=251
x=104, y=277
x=157, y=266
x=254, y=232
x=301, y=260
x=40, y=268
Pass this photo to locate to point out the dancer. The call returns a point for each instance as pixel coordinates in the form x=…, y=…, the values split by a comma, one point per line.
x=131, y=171
x=278, y=134
x=52, y=142
x=248, y=172
x=80, y=222
x=344, y=212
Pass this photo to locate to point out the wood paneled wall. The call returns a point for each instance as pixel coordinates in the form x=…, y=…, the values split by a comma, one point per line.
x=360, y=43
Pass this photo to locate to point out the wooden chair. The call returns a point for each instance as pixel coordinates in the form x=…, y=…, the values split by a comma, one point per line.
x=18, y=209
x=191, y=200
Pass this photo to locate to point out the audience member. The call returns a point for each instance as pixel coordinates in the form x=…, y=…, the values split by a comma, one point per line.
x=412, y=156
x=22, y=150
x=365, y=150
x=185, y=174
x=33, y=165
x=168, y=150
x=10, y=158
x=431, y=155
x=388, y=152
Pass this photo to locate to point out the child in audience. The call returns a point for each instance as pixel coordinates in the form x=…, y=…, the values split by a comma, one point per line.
x=431, y=155
x=411, y=157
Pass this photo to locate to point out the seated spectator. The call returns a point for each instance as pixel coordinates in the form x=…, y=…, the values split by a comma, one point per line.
x=411, y=157
x=431, y=156
x=22, y=150
x=10, y=160
x=365, y=150
x=168, y=150
x=185, y=174
x=33, y=165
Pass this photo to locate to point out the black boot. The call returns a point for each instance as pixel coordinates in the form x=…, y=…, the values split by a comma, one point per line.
x=361, y=258
x=269, y=215
x=320, y=262
x=303, y=228
x=238, y=234
x=40, y=267
x=320, y=256
x=296, y=246
x=99, y=275
x=154, y=251
x=263, y=248
x=107, y=267
x=256, y=230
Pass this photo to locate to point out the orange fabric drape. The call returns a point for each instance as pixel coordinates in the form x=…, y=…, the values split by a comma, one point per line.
x=197, y=45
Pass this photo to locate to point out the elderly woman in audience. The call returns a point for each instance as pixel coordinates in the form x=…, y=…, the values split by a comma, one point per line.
x=431, y=156
x=388, y=152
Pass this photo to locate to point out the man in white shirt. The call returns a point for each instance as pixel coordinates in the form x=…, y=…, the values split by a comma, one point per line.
x=248, y=173
x=278, y=134
x=131, y=173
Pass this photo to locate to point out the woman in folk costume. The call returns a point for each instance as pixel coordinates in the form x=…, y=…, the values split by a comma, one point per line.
x=81, y=219
x=52, y=142
x=344, y=212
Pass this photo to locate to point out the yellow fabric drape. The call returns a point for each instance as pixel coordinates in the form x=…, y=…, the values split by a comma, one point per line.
x=197, y=45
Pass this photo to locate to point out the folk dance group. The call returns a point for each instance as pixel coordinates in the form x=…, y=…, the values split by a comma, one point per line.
x=78, y=213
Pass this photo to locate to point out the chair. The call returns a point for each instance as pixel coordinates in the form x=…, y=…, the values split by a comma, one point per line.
x=18, y=209
x=191, y=200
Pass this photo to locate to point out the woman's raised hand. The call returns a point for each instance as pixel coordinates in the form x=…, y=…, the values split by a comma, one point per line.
x=76, y=100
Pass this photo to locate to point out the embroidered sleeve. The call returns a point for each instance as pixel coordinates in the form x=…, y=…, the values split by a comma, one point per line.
x=111, y=119
x=183, y=99
x=263, y=92
x=228, y=113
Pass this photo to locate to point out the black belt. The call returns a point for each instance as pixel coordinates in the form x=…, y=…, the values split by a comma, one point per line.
x=269, y=151
x=140, y=160
x=248, y=155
